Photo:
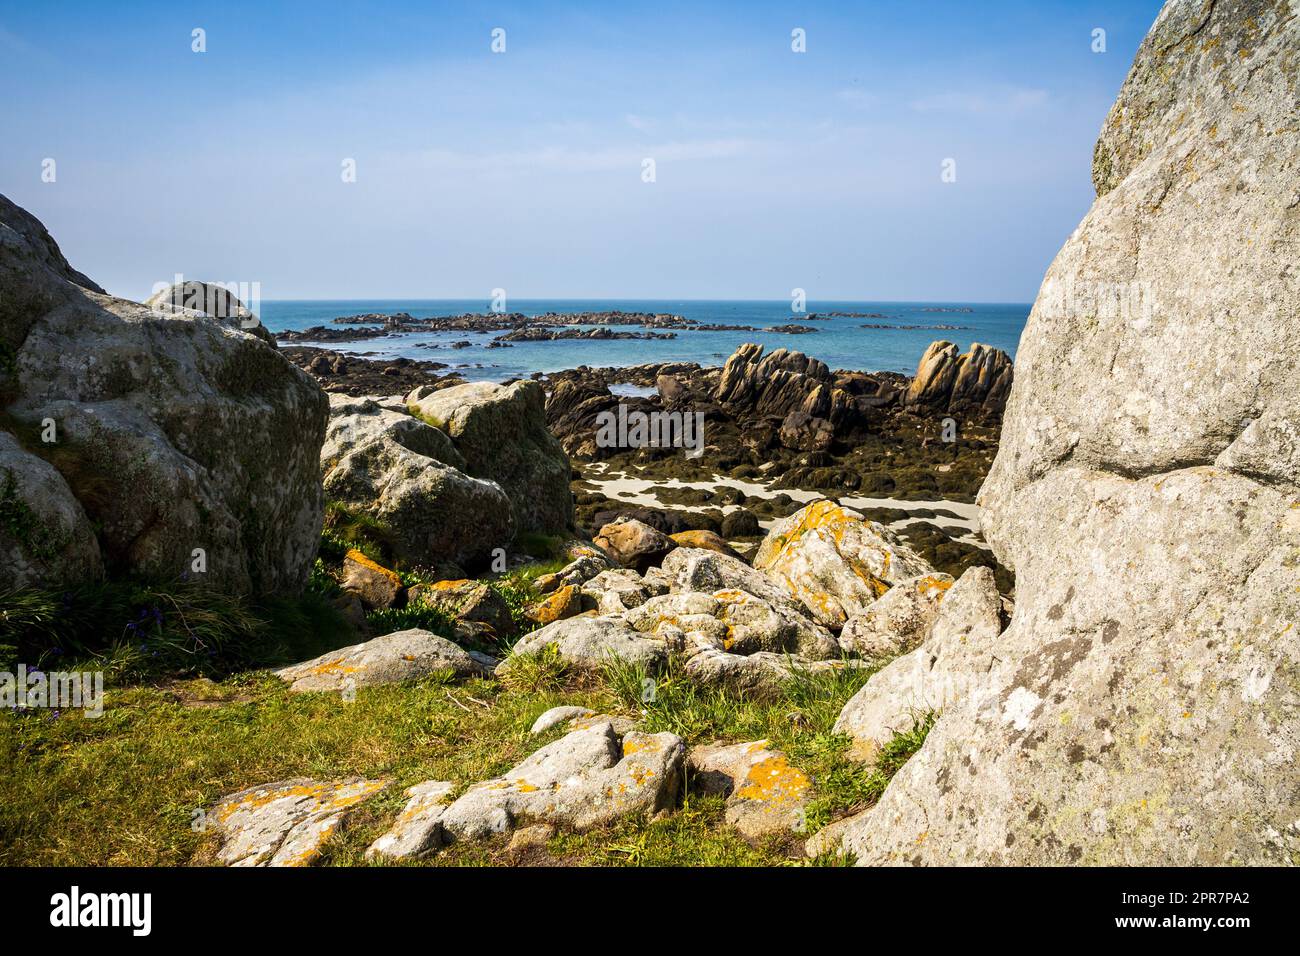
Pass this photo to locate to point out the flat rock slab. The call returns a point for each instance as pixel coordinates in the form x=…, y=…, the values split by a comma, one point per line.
x=415, y=832
x=390, y=659
x=586, y=779
x=285, y=823
x=766, y=796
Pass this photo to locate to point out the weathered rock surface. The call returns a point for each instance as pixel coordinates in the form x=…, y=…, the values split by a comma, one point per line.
x=390, y=659
x=173, y=432
x=734, y=621
x=588, y=642
x=618, y=590
x=899, y=620
x=559, y=715
x=835, y=561
x=213, y=300
x=472, y=602
x=761, y=674
x=586, y=779
x=565, y=602
x=577, y=572
x=634, y=544
x=407, y=475
x=415, y=832
x=703, y=539
x=1146, y=495
x=766, y=796
x=695, y=569
x=374, y=584
x=501, y=432
x=951, y=382
x=957, y=655
x=285, y=823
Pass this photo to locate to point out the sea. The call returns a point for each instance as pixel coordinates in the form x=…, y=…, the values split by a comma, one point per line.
x=840, y=341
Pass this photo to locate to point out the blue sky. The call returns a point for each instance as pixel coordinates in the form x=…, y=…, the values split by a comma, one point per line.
x=523, y=170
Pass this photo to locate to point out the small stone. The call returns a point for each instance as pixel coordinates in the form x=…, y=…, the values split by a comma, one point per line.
x=565, y=602
x=559, y=715
x=531, y=838
x=374, y=584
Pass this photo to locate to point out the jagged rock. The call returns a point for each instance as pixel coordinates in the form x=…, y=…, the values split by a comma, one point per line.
x=588, y=642
x=407, y=475
x=634, y=544
x=375, y=585
x=586, y=779
x=415, y=832
x=173, y=433
x=694, y=569
x=286, y=823
x=390, y=659
x=472, y=602
x=559, y=715
x=766, y=796
x=899, y=620
x=835, y=561
x=501, y=432
x=775, y=384
x=978, y=381
x=961, y=649
x=706, y=540
x=1146, y=498
x=572, y=410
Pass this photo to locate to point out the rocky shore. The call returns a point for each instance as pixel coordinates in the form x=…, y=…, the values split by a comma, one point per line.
x=748, y=614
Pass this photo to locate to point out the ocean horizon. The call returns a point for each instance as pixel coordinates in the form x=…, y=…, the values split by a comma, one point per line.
x=840, y=341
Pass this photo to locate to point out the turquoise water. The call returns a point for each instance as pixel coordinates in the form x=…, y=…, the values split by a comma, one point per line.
x=840, y=342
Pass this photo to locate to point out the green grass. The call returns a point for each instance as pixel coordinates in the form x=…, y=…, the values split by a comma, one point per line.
x=135, y=630
x=122, y=789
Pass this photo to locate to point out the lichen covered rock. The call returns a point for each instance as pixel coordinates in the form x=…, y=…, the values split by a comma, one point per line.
x=390, y=659
x=1146, y=495
x=836, y=561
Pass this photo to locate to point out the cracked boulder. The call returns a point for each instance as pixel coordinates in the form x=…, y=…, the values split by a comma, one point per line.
x=732, y=621
x=588, y=778
x=285, y=823
x=500, y=431
x=835, y=561
x=391, y=659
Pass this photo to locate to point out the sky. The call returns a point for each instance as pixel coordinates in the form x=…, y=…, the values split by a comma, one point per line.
x=525, y=170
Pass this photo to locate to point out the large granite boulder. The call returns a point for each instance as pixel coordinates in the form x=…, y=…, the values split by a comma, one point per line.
x=1147, y=495
x=500, y=431
x=173, y=434
x=407, y=474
